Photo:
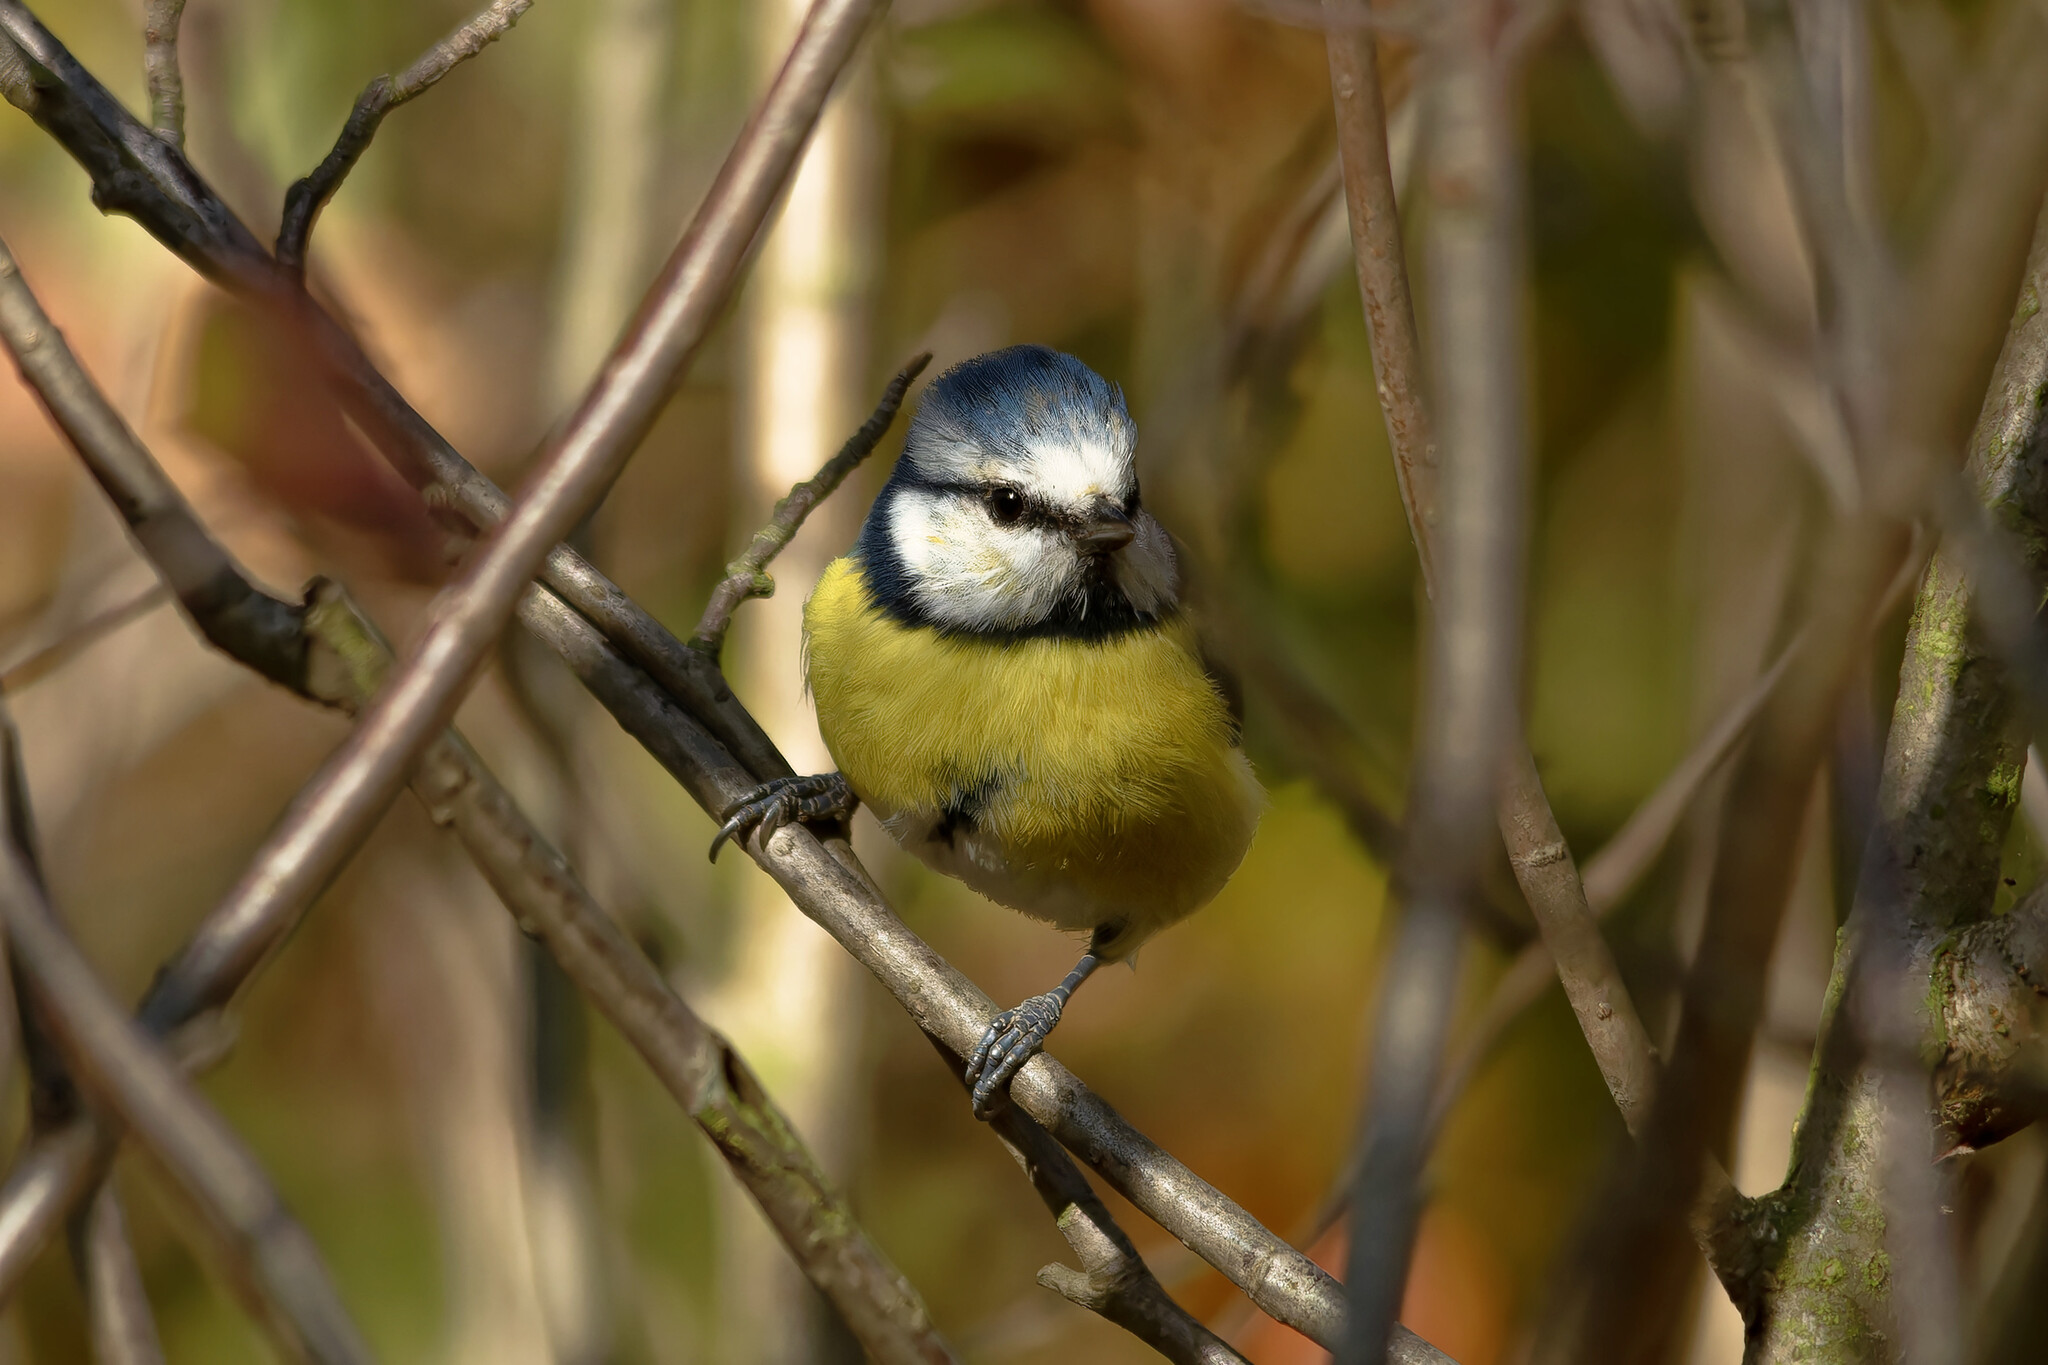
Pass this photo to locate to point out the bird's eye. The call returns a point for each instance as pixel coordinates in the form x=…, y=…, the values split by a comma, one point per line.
x=1005, y=505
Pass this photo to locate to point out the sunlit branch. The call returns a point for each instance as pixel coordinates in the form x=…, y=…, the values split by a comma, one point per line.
x=672, y=699
x=344, y=661
x=305, y=199
x=700, y=1069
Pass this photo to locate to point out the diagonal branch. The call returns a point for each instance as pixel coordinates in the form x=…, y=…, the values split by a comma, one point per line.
x=305, y=199
x=747, y=576
x=336, y=810
x=240, y=619
x=345, y=663
x=670, y=698
x=278, y=1269
x=1113, y=1280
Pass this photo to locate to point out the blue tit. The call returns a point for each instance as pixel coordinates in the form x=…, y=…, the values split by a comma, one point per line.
x=1005, y=675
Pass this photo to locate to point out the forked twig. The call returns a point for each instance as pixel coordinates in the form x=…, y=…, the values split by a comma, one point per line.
x=304, y=200
x=747, y=576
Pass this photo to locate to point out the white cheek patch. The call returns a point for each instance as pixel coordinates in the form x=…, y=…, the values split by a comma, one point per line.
x=971, y=574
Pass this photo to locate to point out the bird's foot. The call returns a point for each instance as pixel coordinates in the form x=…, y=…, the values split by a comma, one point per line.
x=767, y=808
x=1013, y=1038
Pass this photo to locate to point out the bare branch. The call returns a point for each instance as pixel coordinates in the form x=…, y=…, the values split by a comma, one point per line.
x=1537, y=850
x=1899, y=417
x=123, y=1328
x=57, y=1172
x=714, y=748
x=1114, y=1280
x=747, y=576
x=536, y=884
x=305, y=199
x=279, y=1270
x=240, y=619
x=1382, y=265
x=698, y=1067
x=336, y=810
x=1467, y=723
x=160, y=65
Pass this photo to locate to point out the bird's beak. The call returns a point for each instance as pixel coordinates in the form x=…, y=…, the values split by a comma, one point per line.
x=1106, y=529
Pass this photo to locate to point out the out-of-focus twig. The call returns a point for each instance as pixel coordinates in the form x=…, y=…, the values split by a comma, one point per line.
x=1923, y=909
x=117, y=1307
x=646, y=678
x=1467, y=722
x=713, y=1083
x=747, y=576
x=244, y=621
x=303, y=202
x=278, y=1269
x=699, y=1068
x=339, y=806
x=1537, y=850
x=39, y=664
x=1898, y=414
x=160, y=65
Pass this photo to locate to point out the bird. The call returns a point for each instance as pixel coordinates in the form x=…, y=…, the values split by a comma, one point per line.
x=1006, y=675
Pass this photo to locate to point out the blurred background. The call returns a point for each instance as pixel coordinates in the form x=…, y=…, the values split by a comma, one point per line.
x=1148, y=184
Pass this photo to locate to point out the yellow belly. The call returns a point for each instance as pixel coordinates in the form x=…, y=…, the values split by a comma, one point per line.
x=1098, y=778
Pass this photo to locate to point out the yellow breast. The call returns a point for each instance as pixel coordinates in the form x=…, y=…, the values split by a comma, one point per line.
x=1104, y=767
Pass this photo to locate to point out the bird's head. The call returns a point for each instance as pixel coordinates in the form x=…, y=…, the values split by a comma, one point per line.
x=1014, y=508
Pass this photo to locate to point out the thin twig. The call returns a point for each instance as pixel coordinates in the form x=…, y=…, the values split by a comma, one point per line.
x=305, y=199
x=338, y=807
x=1113, y=1280
x=646, y=677
x=711, y=1082
x=701, y=1070
x=160, y=65
x=54, y=655
x=1537, y=850
x=1898, y=418
x=117, y=1306
x=747, y=576
x=279, y=1270
x=1382, y=266
x=244, y=621
x=1467, y=724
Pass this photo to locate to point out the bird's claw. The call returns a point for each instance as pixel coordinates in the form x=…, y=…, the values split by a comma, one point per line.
x=767, y=808
x=1013, y=1038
